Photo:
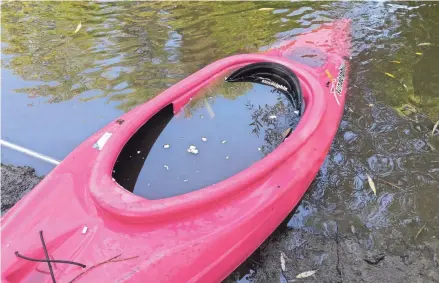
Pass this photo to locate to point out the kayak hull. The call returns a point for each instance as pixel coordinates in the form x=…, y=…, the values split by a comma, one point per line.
x=200, y=236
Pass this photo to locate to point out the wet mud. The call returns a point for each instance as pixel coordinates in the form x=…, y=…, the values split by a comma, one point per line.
x=334, y=256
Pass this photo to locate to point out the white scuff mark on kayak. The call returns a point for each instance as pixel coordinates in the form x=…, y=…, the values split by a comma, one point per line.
x=102, y=141
x=166, y=166
x=272, y=117
x=84, y=230
x=204, y=139
x=114, y=180
x=192, y=149
x=166, y=146
x=224, y=141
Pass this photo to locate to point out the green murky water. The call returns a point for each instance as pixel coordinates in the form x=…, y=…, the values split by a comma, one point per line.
x=59, y=87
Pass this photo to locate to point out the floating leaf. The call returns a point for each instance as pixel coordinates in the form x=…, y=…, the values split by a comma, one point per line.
x=266, y=9
x=306, y=274
x=78, y=27
x=419, y=53
x=425, y=44
x=282, y=261
x=371, y=184
x=286, y=133
x=420, y=230
x=395, y=61
x=390, y=75
x=435, y=127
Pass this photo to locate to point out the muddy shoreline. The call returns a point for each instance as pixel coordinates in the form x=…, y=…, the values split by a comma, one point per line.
x=337, y=256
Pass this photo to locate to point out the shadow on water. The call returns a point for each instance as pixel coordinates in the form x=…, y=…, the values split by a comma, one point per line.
x=59, y=87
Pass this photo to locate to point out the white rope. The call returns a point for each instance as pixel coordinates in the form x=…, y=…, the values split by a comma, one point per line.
x=29, y=152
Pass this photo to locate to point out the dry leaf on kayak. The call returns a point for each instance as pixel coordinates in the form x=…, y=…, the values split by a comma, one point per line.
x=425, y=44
x=418, y=53
x=420, y=230
x=435, y=127
x=371, y=184
x=306, y=274
x=395, y=61
x=390, y=75
x=78, y=27
x=282, y=261
x=266, y=9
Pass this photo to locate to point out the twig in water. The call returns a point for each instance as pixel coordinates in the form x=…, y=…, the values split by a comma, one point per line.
x=420, y=230
x=101, y=263
x=388, y=183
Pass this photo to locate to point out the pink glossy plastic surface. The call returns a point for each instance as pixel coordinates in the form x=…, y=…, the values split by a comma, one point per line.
x=201, y=236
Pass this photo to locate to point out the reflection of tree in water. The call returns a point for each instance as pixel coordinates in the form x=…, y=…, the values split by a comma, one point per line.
x=272, y=121
x=127, y=52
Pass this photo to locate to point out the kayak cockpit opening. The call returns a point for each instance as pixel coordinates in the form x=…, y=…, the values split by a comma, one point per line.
x=225, y=127
x=272, y=74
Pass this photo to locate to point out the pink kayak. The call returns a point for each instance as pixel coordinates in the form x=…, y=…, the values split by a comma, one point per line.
x=79, y=224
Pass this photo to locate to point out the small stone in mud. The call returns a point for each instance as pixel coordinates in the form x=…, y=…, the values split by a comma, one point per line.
x=374, y=257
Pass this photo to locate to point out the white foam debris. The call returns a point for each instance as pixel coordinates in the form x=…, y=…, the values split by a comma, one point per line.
x=84, y=230
x=271, y=117
x=192, y=149
x=166, y=146
x=204, y=139
x=259, y=149
x=166, y=166
x=224, y=141
x=227, y=157
x=185, y=180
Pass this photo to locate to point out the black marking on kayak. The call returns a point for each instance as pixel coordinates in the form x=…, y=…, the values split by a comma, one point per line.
x=275, y=75
x=340, y=79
